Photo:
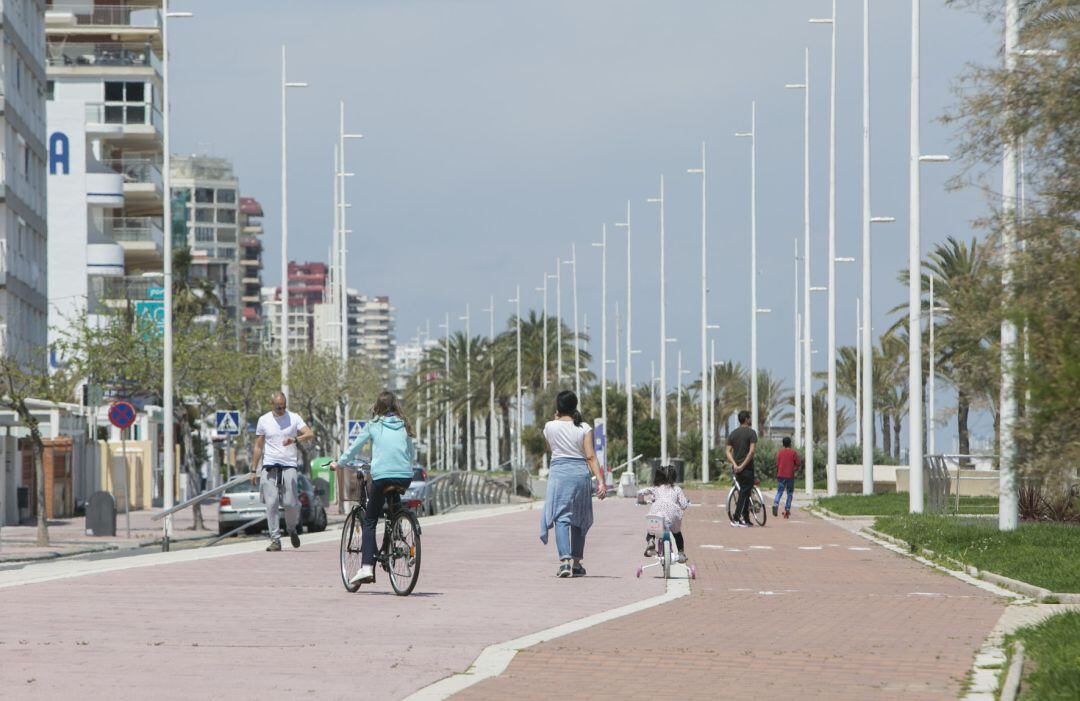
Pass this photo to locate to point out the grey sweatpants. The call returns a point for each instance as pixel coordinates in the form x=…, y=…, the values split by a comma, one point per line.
x=275, y=497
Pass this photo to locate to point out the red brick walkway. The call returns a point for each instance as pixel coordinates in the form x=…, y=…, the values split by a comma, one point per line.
x=811, y=612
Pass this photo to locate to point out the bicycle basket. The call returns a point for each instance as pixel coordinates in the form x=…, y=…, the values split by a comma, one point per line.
x=654, y=525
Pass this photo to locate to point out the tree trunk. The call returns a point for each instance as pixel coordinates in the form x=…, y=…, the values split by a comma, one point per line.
x=504, y=444
x=926, y=424
x=963, y=434
x=896, y=435
x=886, y=436
x=39, y=476
x=192, y=475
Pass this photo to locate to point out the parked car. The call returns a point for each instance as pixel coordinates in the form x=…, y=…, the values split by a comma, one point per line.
x=417, y=496
x=243, y=502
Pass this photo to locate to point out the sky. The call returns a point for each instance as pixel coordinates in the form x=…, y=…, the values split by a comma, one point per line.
x=498, y=134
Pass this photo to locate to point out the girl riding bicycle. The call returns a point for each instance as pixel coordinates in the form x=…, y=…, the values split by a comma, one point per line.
x=670, y=503
x=392, y=456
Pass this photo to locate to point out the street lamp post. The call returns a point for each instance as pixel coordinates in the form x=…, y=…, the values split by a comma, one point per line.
x=446, y=389
x=603, y=330
x=627, y=481
x=493, y=459
x=519, y=462
x=678, y=403
x=798, y=352
x=808, y=385
x=704, y=315
x=342, y=250
x=752, y=135
x=558, y=323
x=663, y=334
x=468, y=389
x=577, y=337
x=831, y=387
x=285, y=85
x=930, y=439
x=169, y=461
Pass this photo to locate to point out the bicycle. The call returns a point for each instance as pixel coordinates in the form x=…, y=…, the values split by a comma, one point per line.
x=757, y=502
x=667, y=552
x=399, y=554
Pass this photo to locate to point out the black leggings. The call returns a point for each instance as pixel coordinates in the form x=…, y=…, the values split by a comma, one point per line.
x=679, y=542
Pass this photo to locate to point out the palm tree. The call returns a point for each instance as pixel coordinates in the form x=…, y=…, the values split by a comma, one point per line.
x=820, y=427
x=772, y=401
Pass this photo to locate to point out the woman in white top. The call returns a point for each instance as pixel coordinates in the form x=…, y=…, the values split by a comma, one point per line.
x=568, y=504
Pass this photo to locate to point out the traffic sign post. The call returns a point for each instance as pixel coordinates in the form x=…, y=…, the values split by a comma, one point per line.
x=227, y=423
x=354, y=429
x=122, y=415
x=600, y=446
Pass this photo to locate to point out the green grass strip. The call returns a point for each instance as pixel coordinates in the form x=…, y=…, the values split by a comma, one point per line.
x=1043, y=554
x=896, y=504
x=1051, y=659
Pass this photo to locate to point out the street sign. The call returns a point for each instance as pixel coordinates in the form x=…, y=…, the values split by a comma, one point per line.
x=600, y=442
x=354, y=429
x=227, y=423
x=122, y=414
x=153, y=307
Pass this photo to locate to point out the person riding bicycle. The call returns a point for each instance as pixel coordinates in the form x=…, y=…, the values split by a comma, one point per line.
x=392, y=456
x=668, y=502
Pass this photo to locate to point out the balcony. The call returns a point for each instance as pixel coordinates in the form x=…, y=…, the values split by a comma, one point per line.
x=101, y=57
x=117, y=289
x=142, y=239
x=63, y=17
x=142, y=178
x=134, y=118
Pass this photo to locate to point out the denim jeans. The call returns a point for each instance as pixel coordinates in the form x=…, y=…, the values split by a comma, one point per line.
x=783, y=483
x=373, y=513
x=569, y=540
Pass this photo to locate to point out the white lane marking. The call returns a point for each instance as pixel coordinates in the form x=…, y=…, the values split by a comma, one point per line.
x=65, y=569
x=709, y=545
x=855, y=547
x=732, y=550
x=740, y=589
x=496, y=658
x=925, y=593
x=809, y=547
x=761, y=547
x=767, y=593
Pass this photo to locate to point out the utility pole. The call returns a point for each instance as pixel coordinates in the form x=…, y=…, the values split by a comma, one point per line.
x=664, y=461
x=754, y=311
x=704, y=317
x=468, y=389
x=627, y=482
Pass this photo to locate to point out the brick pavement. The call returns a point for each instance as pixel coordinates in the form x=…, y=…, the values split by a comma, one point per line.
x=275, y=625
x=811, y=612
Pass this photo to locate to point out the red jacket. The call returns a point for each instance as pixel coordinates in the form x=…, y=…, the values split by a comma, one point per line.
x=787, y=461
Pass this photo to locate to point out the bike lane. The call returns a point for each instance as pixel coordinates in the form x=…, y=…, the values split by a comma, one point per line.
x=272, y=625
x=798, y=609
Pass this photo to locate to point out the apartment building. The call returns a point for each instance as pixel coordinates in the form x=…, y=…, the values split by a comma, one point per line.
x=106, y=197
x=374, y=329
x=208, y=192
x=251, y=311
x=23, y=157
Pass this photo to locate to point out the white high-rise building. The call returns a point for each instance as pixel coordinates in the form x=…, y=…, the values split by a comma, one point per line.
x=106, y=198
x=23, y=158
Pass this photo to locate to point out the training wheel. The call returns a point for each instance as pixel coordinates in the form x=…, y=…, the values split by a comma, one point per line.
x=693, y=572
x=638, y=573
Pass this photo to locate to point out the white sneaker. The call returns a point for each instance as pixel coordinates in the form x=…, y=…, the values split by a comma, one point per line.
x=681, y=558
x=365, y=574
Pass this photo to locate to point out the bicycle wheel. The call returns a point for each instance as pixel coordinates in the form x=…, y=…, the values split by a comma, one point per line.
x=404, y=552
x=667, y=559
x=732, y=500
x=350, y=548
x=757, y=506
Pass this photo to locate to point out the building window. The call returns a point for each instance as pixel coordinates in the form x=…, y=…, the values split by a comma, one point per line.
x=50, y=89
x=204, y=214
x=204, y=195
x=204, y=234
x=226, y=216
x=226, y=196
x=226, y=235
x=226, y=252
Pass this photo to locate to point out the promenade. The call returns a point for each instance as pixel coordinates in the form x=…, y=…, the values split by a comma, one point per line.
x=800, y=607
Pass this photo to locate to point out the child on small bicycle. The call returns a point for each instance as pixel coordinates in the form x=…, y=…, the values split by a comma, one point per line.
x=669, y=502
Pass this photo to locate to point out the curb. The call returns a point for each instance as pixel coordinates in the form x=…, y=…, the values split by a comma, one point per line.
x=1010, y=687
x=494, y=659
x=1039, y=594
x=839, y=517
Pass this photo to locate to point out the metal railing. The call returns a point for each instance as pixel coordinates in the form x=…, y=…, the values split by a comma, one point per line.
x=136, y=170
x=120, y=288
x=135, y=229
x=940, y=493
x=80, y=14
x=124, y=114
x=454, y=489
x=198, y=499
x=102, y=54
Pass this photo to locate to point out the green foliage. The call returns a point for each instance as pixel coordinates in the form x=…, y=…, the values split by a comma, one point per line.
x=1052, y=659
x=851, y=454
x=1043, y=554
x=896, y=504
x=647, y=438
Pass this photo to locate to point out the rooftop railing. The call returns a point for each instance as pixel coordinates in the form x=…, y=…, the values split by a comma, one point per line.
x=80, y=14
x=109, y=54
x=135, y=229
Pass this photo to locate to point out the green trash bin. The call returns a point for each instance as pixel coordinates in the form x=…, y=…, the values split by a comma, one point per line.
x=320, y=470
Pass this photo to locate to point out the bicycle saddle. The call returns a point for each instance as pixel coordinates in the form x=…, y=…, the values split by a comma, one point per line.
x=393, y=489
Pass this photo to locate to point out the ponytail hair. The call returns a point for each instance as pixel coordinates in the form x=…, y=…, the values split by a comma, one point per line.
x=566, y=404
x=388, y=404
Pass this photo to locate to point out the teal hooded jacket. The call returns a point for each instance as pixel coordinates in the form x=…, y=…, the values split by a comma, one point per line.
x=392, y=451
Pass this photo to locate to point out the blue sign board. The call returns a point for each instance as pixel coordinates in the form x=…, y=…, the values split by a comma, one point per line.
x=600, y=442
x=354, y=429
x=227, y=423
x=153, y=307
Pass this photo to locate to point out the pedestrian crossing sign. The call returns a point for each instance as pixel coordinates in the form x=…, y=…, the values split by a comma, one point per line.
x=354, y=428
x=227, y=423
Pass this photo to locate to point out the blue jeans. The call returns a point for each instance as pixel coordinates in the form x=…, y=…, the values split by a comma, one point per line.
x=569, y=540
x=783, y=483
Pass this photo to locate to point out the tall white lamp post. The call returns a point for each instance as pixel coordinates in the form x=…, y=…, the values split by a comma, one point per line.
x=285, y=85
x=704, y=316
x=169, y=461
x=468, y=389
x=627, y=483
x=752, y=135
x=603, y=326
x=663, y=334
x=577, y=336
x=493, y=452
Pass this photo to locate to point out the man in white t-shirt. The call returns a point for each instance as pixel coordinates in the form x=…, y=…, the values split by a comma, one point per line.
x=277, y=434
